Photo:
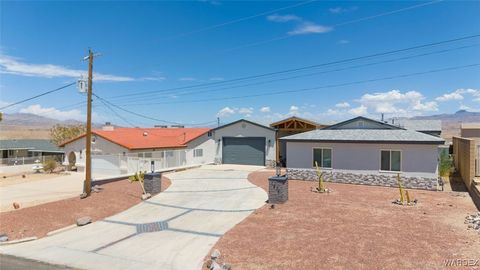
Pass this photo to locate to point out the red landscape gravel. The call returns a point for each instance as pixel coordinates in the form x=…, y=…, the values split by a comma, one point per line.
x=354, y=227
x=39, y=220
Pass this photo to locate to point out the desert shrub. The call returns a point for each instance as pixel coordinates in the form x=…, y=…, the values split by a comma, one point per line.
x=50, y=165
x=445, y=164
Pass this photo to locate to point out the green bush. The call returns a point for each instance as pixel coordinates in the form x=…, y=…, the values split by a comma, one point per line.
x=445, y=165
x=50, y=165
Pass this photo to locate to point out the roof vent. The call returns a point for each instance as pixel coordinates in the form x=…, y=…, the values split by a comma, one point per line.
x=160, y=126
x=145, y=134
x=177, y=126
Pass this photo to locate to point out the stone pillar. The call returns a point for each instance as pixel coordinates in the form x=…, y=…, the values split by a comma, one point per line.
x=277, y=189
x=153, y=183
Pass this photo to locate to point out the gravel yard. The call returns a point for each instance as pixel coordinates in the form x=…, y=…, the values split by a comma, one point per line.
x=8, y=180
x=41, y=219
x=354, y=227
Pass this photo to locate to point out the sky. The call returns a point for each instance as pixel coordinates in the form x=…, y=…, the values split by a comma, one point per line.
x=189, y=62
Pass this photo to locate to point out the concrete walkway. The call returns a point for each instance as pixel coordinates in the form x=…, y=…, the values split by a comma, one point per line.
x=41, y=191
x=173, y=230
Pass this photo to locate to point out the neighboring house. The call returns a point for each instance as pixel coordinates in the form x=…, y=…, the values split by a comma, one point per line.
x=290, y=126
x=15, y=149
x=244, y=142
x=431, y=127
x=470, y=130
x=140, y=142
x=365, y=151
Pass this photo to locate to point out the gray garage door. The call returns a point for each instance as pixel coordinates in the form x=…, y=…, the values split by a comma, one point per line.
x=247, y=151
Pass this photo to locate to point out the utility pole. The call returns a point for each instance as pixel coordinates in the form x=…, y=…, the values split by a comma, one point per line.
x=87, y=184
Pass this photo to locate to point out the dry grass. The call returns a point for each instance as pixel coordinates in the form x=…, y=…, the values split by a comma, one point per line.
x=354, y=227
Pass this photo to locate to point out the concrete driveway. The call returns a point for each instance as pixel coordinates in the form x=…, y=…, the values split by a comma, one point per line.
x=173, y=230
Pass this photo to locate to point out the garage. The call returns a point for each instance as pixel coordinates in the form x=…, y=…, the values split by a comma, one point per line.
x=244, y=150
x=244, y=142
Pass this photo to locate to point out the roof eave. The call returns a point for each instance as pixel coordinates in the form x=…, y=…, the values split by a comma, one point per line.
x=363, y=141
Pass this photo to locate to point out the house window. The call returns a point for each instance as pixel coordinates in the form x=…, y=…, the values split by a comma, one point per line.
x=323, y=157
x=198, y=152
x=209, y=134
x=390, y=160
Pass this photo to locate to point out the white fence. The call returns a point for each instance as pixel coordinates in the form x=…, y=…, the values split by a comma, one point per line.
x=113, y=165
x=17, y=161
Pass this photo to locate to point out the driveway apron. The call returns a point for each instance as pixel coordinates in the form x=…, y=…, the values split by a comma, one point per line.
x=173, y=230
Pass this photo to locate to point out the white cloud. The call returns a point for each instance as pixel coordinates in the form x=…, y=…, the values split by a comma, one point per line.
x=332, y=112
x=339, y=10
x=217, y=79
x=396, y=102
x=310, y=28
x=153, y=78
x=293, y=109
x=360, y=110
x=11, y=65
x=265, y=109
x=54, y=113
x=343, y=41
x=459, y=95
x=467, y=108
x=225, y=112
x=342, y=105
x=245, y=111
x=449, y=96
x=283, y=18
x=187, y=79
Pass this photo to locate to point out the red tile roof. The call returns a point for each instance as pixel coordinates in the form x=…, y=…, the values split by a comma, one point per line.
x=148, y=138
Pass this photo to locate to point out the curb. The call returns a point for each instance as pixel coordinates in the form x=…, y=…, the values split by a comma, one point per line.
x=64, y=229
x=26, y=239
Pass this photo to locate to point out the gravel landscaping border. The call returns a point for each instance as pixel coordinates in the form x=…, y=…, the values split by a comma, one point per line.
x=39, y=220
x=354, y=227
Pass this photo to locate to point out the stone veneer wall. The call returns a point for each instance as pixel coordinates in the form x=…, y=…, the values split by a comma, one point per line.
x=389, y=180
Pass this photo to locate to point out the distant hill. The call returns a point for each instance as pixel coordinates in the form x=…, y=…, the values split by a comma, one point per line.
x=451, y=122
x=459, y=116
x=33, y=120
x=30, y=126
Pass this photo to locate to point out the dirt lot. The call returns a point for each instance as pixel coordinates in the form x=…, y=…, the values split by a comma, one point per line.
x=29, y=177
x=41, y=219
x=354, y=227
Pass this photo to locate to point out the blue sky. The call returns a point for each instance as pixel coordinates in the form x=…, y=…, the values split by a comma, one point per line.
x=154, y=46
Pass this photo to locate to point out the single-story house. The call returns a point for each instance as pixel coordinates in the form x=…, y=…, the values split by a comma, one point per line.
x=431, y=127
x=139, y=143
x=365, y=151
x=17, y=149
x=239, y=142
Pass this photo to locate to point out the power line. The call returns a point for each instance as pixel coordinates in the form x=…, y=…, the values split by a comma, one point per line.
x=115, y=112
x=149, y=117
x=316, y=73
x=317, y=87
x=336, y=25
x=239, y=20
x=304, y=67
x=37, y=96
